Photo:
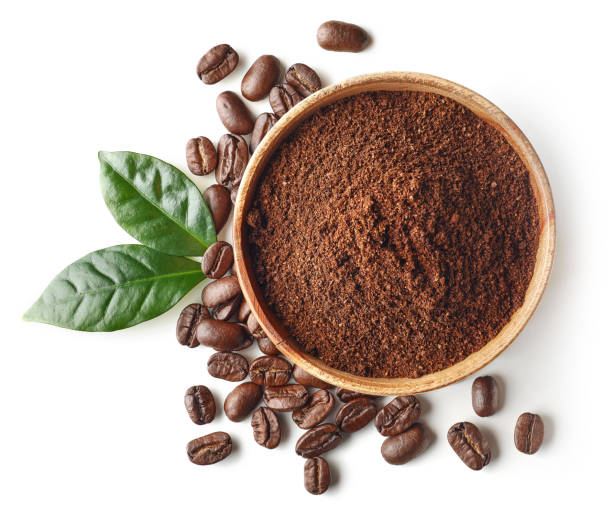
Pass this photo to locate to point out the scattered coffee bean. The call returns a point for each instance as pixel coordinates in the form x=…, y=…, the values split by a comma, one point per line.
x=485, y=396
x=316, y=475
x=234, y=193
x=285, y=397
x=356, y=414
x=220, y=291
x=218, y=259
x=217, y=63
x=470, y=445
x=318, y=440
x=270, y=371
x=528, y=433
x=260, y=77
x=186, y=325
x=303, y=78
x=229, y=366
x=209, y=449
x=254, y=328
x=304, y=378
x=319, y=405
x=217, y=199
x=233, y=154
x=263, y=123
x=282, y=98
x=223, y=336
x=266, y=346
x=339, y=36
x=344, y=395
x=200, y=404
x=234, y=115
x=241, y=401
x=201, y=156
x=266, y=429
x=401, y=448
x=398, y=415
x=243, y=311
x=226, y=310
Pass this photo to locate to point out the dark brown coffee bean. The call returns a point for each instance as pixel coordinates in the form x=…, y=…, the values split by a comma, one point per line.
x=229, y=366
x=217, y=63
x=234, y=193
x=266, y=429
x=234, y=115
x=233, y=155
x=285, y=397
x=398, y=415
x=200, y=404
x=470, y=445
x=243, y=311
x=260, y=77
x=301, y=377
x=316, y=475
x=355, y=414
x=201, y=156
x=319, y=405
x=270, y=371
x=218, y=259
x=226, y=310
x=263, y=123
x=303, y=78
x=282, y=98
x=401, y=448
x=318, y=440
x=485, y=396
x=339, y=36
x=209, y=449
x=344, y=395
x=241, y=401
x=217, y=199
x=186, y=325
x=528, y=433
x=220, y=291
x=255, y=330
x=266, y=346
x=223, y=336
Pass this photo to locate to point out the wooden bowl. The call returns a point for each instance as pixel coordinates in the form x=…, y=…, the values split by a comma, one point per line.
x=395, y=81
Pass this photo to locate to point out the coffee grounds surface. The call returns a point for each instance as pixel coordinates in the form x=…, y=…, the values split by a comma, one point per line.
x=394, y=233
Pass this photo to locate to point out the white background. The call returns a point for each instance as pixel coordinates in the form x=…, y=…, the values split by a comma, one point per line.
x=95, y=422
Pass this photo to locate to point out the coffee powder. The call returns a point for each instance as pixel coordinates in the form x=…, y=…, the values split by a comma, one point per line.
x=394, y=233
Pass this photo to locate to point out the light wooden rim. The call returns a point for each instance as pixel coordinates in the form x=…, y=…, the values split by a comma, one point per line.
x=394, y=81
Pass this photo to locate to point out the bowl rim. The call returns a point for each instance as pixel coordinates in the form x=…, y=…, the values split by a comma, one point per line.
x=395, y=81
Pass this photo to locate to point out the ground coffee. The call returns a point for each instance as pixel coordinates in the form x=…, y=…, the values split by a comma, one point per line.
x=394, y=233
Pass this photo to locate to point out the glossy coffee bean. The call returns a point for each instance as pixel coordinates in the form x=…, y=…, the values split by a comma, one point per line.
x=217, y=199
x=201, y=156
x=241, y=401
x=229, y=366
x=282, y=98
x=223, y=336
x=319, y=405
x=285, y=397
x=528, y=433
x=355, y=414
x=401, y=448
x=234, y=193
x=209, y=449
x=233, y=156
x=470, y=445
x=304, y=378
x=318, y=440
x=254, y=329
x=200, y=404
x=217, y=259
x=234, y=115
x=186, y=325
x=266, y=346
x=270, y=371
x=316, y=475
x=266, y=429
x=226, y=310
x=217, y=64
x=339, y=36
x=344, y=395
x=485, y=396
x=220, y=291
x=243, y=311
x=303, y=78
x=398, y=415
x=260, y=78
x=263, y=123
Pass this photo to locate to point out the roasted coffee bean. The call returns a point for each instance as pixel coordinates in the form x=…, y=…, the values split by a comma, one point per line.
x=344, y=395
x=303, y=78
x=234, y=115
x=209, y=449
x=485, y=396
x=355, y=414
x=316, y=475
x=200, y=404
x=470, y=445
x=285, y=397
x=319, y=405
x=282, y=98
x=398, y=415
x=318, y=440
x=401, y=448
x=186, y=325
x=307, y=379
x=218, y=259
x=243, y=311
x=270, y=371
x=218, y=200
x=266, y=346
x=220, y=291
x=266, y=429
x=223, y=336
x=233, y=155
x=528, y=433
x=226, y=310
x=339, y=36
x=201, y=156
x=254, y=329
x=217, y=63
x=260, y=77
x=263, y=123
x=234, y=193
x=228, y=366
x=241, y=401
